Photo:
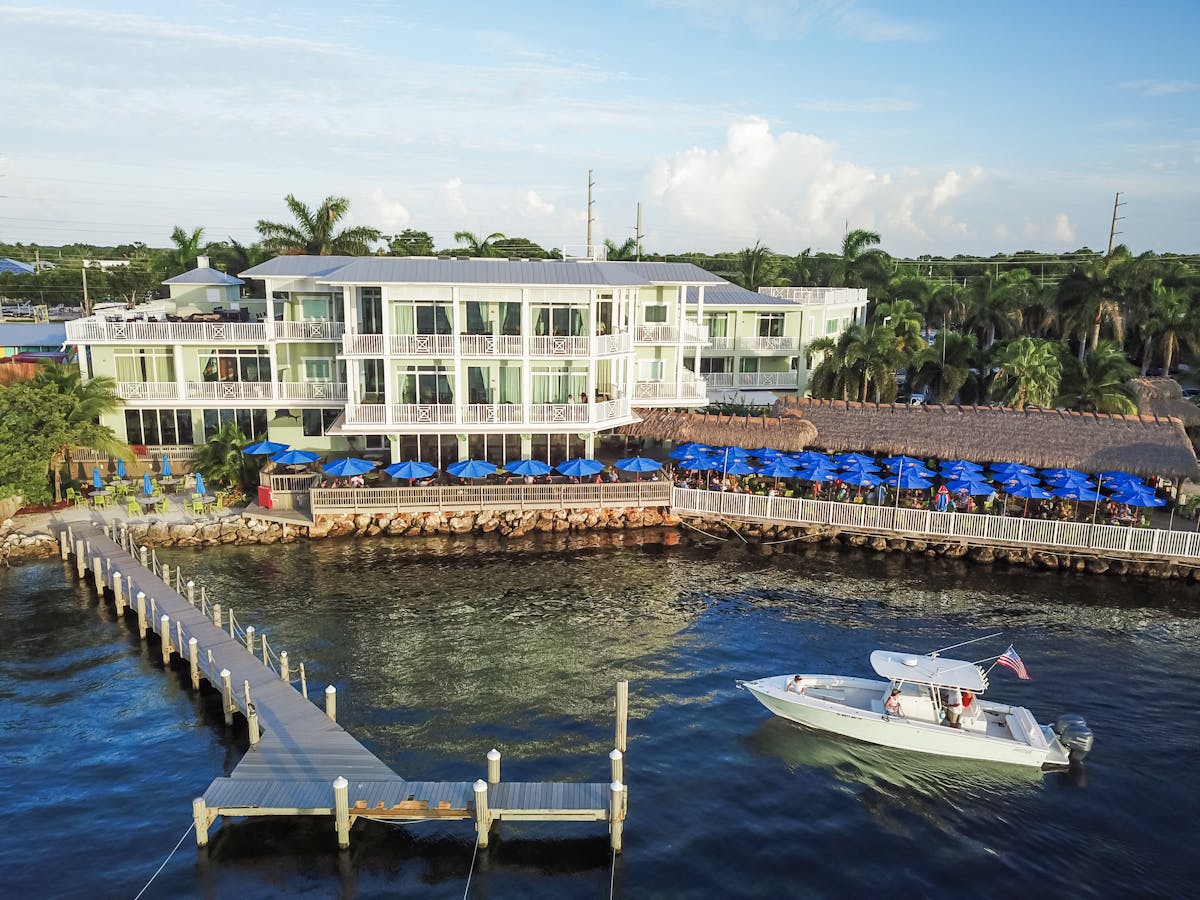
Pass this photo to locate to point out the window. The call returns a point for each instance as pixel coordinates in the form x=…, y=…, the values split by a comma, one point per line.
x=370, y=310
x=314, y=306
x=417, y=317
x=715, y=364
x=145, y=365
x=770, y=324
x=559, y=319
x=235, y=365
x=831, y=326
x=717, y=324
x=317, y=422
x=252, y=423
x=654, y=314
x=318, y=369
x=158, y=426
x=427, y=385
x=555, y=384
x=748, y=364
x=650, y=370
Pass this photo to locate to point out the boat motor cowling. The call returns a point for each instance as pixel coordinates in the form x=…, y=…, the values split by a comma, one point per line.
x=1074, y=734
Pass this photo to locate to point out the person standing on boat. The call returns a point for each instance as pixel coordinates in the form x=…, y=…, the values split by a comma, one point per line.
x=954, y=708
x=796, y=685
x=892, y=704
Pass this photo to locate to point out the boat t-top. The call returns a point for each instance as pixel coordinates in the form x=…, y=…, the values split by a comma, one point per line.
x=929, y=704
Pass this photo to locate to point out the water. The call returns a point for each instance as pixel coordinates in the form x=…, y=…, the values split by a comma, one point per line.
x=443, y=650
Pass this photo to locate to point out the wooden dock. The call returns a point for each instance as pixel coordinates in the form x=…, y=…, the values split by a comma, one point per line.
x=300, y=761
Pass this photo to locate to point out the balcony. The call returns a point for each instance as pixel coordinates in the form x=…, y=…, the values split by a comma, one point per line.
x=511, y=346
x=147, y=390
x=668, y=393
x=232, y=392
x=787, y=380
x=309, y=330
x=506, y=345
x=690, y=332
x=399, y=416
x=777, y=342
x=94, y=330
x=722, y=343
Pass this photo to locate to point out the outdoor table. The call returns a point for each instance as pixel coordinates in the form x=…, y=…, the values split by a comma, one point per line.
x=170, y=481
x=149, y=499
x=120, y=482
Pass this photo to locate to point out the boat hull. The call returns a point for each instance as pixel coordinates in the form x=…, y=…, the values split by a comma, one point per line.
x=875, y=727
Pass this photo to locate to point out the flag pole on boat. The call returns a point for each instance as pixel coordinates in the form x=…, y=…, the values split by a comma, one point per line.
x=964, y=643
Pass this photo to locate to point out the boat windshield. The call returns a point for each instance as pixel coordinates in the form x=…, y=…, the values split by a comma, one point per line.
x=937, y=670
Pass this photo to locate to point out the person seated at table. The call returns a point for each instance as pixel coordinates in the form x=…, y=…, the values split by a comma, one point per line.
x=357, y=481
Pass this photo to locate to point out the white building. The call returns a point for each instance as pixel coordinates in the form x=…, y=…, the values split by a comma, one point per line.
x=438, y=358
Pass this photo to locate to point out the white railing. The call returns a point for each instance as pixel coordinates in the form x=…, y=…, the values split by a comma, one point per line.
x=695, y=333
x=422, y=344
x=491, y=345
x=722, y=343
x=366, y=414
x=422, y=413
x=720, y=379
x=769, y=343
x=362, y=344
x=311, y=390
x=493, y=414
x=99, y=331
x=663, y=333
x=325, y=501
x=809, y=296
x=607, y=344
x=153, y=452
x=309, y=330
x=766, y=379
x=147, y=390
x=229, y=390
x=408, y=414
x=689, y=389
x=560, y=345
x=922, y=523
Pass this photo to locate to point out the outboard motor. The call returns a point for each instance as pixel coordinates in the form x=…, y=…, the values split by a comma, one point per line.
x=1074, y=734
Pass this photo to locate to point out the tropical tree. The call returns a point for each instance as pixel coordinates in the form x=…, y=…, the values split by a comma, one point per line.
x=1090, y=295
x=862, y=361
x=477, y=246
x=411, y=243
x=756, y=266
x=834, y=376
x=943, y=367
x=87, y=401
x=626, y=250
x=1028, y=372
x=862, y=263
x=1171, y=323
x=1098, y=383
x=33, y=425
x=799, y=269
x=314, y=231
x=222, y=461
x=994, y=302
x=188, y=246
x=905, y=321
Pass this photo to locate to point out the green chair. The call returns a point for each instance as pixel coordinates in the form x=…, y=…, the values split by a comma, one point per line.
x=101, y=501
x=163, y=505
x=77, y=498
x=198, y=508
x=132, y=507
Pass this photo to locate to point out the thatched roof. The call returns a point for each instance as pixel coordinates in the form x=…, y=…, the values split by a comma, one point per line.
x=1091, y=442
x=788, y=434
x=1164, y=397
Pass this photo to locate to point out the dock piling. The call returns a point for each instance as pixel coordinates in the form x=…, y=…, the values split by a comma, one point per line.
x=483, y=818
x=141, y=614
x=217, y=614
x=252, y=722
x=164, y=632
x=283, y=666
x=493, y=766
x=165, y=575
x=98, y=574
x=194, y=661
x=250, y=639
x=617, y=759
x=341, y=811
x=622, y=714
x=303, y=683
x=227, y=701
x=331, y=702
x=64, y=543
x=80, y=559
x=191, y=592
x=118, y=594
x=616, y=814
x=143, y=557
x=200, y=817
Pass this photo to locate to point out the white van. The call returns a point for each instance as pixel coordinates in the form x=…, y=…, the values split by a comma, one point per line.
x=916, y=400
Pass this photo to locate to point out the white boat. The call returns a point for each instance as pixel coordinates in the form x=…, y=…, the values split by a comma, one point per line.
x=925, y=720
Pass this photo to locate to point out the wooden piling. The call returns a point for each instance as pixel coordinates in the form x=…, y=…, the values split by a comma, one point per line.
x=250, y=639
x=622, y=714
x=165, y=574
x=178, y=636
x=98, y=575
x=303, y=683
x=200, y=818
x=252, y=722
x=164, y=632
x=227, y=695
x=617, y=759
x=191, y=593
x=616, y=814
x=493, y=766
x=265, y=655
x=283, y=666
x=341, y=811
x=217, y=614
x=80, y=559
x=141, y=614
x=331, y=702
x=483, y=817
x=246, y=691
x=118, y=587
x=143, y=558
x=64, y=543
x=194, y=661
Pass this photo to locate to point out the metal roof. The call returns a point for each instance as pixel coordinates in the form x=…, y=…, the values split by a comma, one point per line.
x=429, y=270
x=672, y=272
x=16, y=266
x=899, y=666
x=28, y=334
x=204, y=276
x=727, y=294
x=299, y=266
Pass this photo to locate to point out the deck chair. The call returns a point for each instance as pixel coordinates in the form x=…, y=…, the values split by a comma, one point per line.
x=132, y=507
x=77, y=498
x=163, y=505
x=101, y=501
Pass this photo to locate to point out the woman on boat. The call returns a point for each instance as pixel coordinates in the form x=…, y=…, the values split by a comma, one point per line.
x=892, y=703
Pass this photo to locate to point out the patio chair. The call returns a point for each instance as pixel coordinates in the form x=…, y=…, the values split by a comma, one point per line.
x=77, y=498
x=132, y=507
x=163, y=505
x=101, y=501
x=198, y=508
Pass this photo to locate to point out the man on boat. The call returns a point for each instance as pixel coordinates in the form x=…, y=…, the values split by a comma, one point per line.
x=954, y=708
x=796, y=684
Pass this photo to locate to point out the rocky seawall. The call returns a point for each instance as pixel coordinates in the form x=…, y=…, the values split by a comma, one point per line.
x=767, y=540
x=18, y=545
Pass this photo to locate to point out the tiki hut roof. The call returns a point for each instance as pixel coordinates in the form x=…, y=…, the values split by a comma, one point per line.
x=1090, y=442
x=1164, y=397
x=789, y=434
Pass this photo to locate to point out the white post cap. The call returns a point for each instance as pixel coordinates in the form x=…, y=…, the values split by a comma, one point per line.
x=480, y=786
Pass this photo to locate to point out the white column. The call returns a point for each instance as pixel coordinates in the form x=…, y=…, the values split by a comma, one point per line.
x=269, y=321
x=699, y=324
x=526, y=365
x=180, y=372
x=680, y=318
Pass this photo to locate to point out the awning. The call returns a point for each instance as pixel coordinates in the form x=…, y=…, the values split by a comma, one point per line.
x=897, y=666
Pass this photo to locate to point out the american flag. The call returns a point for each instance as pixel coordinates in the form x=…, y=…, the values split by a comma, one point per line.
x=1010, y=660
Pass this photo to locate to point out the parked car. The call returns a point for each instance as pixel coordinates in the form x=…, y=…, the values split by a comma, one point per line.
x=916, y=400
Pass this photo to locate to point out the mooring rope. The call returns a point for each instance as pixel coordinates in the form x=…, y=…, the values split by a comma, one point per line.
x=471, y=870
x=612, y=876
x=703, y=532
x=182, y=838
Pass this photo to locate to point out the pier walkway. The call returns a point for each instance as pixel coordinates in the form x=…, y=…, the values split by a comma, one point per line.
x=300, y=761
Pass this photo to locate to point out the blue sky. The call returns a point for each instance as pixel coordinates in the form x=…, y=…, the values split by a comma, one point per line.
x=947, y=127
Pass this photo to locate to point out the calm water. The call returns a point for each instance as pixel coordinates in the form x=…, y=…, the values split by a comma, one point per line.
x=441, y=651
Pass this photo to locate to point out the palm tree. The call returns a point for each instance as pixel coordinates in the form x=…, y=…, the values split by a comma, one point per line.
x=799, y=269
x=994, y=303
x=756, y=266
x=221, y=460
x=943, y=367
x=1090, y=295
x=476, y=246
x=1028, y=372
x=834, y=376
x=314, y=232
x=626, y=250
x=862, y=264
x=89, y=401
x=1098, y=384
x=905, y=320
x=1171, y=322
x=187, y=247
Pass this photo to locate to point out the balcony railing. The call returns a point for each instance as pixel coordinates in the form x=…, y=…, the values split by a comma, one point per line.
x=371, y=415
x=670, y=334
x=491, y=345
x=311, y=390
x=229, y=390
x=722, y=343
x=497, y=345
x=94, y=330
x=560, y=345
x=421, y=344
x=205, y=391
x=362, y=344
x=309, y=330
x=669, y=391
x=330, y=501
x=147, y=390
x=775, y=342
x=751, y=379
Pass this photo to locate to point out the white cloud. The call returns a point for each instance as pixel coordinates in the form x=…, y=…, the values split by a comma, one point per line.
x=535, y=204
x=1158, y=87
x=452, y=198
x=1063, y=229
x=383, y=213
x=791, y=190
x=776, y=20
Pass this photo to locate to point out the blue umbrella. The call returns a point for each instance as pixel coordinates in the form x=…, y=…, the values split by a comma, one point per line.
x=909, y=481
x=1004, y=470
x=638, y=464
x=810, y=458
x=199, y=484
x=531, y=467
x=264, y=448
x=120, y=468
x=1118, y=481
x=1019, y=478
x=861, y=478
x=166, y=467
x=1057, y=476
x=732, y=452
x=698, y=463
x=471, y=468
x=580, y=467
x=1068, y=492
x=412, y=470
x=738, y=467
x=977, y=487
x=295, y=457
x=859, y=466
x=1134, y=496
x=350, y=465
x=766, y=454
x=955, y=466
x=147, y=487
x=689, y=450
x=1028, y=491
x=97, y=481
x=777, y=468
x=895, y=462
x=816, y=473
x=854, y=459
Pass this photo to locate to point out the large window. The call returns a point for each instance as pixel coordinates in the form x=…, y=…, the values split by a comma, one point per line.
x=557, y=384
x=494, y=383
x=436, y=449
x=145, y=365
x=370, y=310
x=228, y=364
x=491, y=317
x=649, y=370
x=418, y=317
x=427, y=385
x=748, y=364
x=654, y=314
x=770, y=324
x=560, y=319
x=318, y=368
x=717, y=324
x=315, y=306
x=252, y=423
x=318, y=421
x=158, y=426
x=715, y=364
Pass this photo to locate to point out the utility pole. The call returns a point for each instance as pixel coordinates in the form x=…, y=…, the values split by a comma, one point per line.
x=1112, y=231
x=637, y=233
x=590, y=217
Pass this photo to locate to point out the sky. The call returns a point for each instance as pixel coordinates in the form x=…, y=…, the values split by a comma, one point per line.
x=947, y=127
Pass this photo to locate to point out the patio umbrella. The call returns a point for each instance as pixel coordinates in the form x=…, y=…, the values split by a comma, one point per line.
x=816, y=473
x=895, y=462
x=698, y=463
x=580, y=467
x=1119, y=481
x=1005, y=470
x=777, y=468
x=1138, y=497
x=166, y=467
x=200, y=484
x=854, y=459
x=956, y=467
x=471, y=468
x=348, y=466
x=739, y=467
x=809, y=458
x=1020, y=478
x=974, y=486
x=147, y=487
x=531, y=467
x=120, y=468
x=1085, y=494
x=861, y=478
x=97, y=481
x=857, y=465
x=1028, y=492
x=909, y=481
x=689, y=450
x=412, y=470
x=295, y=457
x=637, y=465
x=766, y=454
x=264, y=448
